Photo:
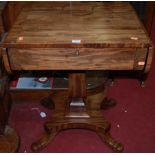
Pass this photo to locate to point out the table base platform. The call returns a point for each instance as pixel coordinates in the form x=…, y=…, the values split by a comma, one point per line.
x=82, y=117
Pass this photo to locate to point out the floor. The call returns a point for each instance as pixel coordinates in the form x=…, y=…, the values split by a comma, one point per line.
x=132, y=120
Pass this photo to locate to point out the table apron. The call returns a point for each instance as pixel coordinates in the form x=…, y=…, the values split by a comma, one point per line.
x=77, y=59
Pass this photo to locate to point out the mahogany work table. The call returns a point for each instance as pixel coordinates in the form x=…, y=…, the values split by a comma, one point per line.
x=77, y=37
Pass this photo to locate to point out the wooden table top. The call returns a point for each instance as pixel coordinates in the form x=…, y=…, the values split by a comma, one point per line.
x=77, y=24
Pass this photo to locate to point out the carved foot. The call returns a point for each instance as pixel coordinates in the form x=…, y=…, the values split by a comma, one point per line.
x=42, y=142
x=48, y=103
x=108, y=103
x=112, y=143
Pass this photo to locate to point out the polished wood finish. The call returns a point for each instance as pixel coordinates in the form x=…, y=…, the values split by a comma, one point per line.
x=10, y=13
x=80, y=59
x=149, y=60
x=77, y=36
x=115, y=42
x=94, y=24
x=90, y=119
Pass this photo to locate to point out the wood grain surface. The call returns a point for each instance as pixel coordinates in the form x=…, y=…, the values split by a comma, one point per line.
x=92, y=24
x=78, y=36
x=10, y=13
x=80, y=59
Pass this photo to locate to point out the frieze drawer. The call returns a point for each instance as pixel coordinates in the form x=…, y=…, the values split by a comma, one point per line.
x=77, y=59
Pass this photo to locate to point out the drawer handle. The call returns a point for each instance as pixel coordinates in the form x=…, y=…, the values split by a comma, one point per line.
x=77, y=53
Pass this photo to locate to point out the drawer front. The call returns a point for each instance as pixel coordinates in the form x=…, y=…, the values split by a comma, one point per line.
x=74, y=59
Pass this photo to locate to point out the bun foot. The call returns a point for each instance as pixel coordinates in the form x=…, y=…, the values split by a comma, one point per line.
x=112, y=143
x=42, y=142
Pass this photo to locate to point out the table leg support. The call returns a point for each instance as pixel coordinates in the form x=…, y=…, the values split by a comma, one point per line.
x=111, y=142
x=78, y=111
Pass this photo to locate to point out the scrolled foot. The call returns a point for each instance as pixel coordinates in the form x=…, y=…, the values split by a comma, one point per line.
x=42, y=142
x=112, y=143
x=108, y=103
